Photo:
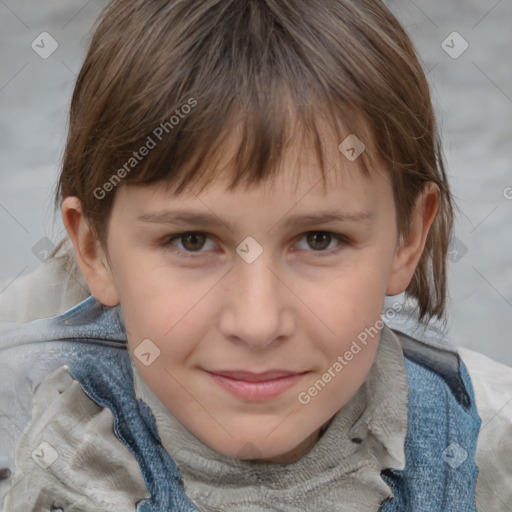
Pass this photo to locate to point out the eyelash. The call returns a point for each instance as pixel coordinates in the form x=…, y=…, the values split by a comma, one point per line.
x=168, y=245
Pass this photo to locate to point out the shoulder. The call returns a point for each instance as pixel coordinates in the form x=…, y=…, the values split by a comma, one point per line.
x=442, y=362
x=492, y=384
x=54, y=286
x=69, y=454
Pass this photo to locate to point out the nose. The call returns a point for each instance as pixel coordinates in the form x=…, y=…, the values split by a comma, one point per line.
x=259, y=308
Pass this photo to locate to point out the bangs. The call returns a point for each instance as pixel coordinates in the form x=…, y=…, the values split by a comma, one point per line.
x=246, y=144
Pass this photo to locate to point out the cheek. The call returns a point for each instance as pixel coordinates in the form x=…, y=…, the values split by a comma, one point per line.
x=335, y=385
x=175, y=323
x=174, y=335
x=154, y=296
x=351, y=299
x=352, y=312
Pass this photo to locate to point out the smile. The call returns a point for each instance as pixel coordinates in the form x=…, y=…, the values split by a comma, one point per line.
x=257, y=387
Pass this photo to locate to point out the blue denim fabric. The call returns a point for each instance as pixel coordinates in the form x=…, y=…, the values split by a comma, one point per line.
x=109, y=383
x=441, y=432
x=32, y=350
x=441, y=413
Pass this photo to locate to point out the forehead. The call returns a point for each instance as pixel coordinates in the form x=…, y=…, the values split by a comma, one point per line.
x=298, y=190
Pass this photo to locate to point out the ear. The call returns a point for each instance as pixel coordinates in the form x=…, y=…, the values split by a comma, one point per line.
x=410, y=249
x=89, y=253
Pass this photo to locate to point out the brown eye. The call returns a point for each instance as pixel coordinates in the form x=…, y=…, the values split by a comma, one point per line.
x=193, y=241
x=319, y=241
x=187, y=243
x=322, y=243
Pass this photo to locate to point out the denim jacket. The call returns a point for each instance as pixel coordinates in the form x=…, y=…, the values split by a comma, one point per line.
x=443, y=422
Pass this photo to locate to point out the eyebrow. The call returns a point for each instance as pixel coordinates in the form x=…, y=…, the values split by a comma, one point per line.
x=190, y=217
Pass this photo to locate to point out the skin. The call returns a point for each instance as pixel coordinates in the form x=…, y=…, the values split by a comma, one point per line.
x=298, y=306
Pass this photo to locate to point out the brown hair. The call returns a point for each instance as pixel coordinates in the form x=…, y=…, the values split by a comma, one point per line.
x=187, y=72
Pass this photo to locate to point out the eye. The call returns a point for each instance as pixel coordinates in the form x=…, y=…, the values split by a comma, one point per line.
x=320, y=240
x=192, y=242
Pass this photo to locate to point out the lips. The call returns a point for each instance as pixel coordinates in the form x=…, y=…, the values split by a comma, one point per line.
x=255, y=377
x=256, y=386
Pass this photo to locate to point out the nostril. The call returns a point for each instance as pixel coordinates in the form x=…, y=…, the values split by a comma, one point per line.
x=5, y=473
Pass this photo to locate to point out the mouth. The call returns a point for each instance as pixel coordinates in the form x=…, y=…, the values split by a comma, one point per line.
x=256, y=386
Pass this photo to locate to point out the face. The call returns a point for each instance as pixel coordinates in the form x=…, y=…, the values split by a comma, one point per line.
x=256, y=285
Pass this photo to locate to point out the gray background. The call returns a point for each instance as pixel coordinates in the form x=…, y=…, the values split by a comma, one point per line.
x=472, y=95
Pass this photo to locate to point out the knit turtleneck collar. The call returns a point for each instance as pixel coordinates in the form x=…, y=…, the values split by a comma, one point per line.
x=343, y=467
